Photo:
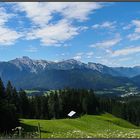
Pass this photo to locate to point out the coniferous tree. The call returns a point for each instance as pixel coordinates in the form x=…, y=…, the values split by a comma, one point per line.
x=9, y=92
x=2, y=90
x=24, y=103
x=52, y=105
x=8, y=116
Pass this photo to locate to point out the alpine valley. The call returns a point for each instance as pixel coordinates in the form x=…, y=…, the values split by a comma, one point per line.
x=46, y=75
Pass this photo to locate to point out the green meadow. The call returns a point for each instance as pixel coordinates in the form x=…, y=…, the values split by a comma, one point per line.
x=87, y=126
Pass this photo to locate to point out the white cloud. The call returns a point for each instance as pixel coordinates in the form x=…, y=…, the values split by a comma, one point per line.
x=126, y=51
x=42, y=13
x=38, y=13
x=54, y=34
x=133, y=36
x=60, y=30
x=80, y=11
x=7, y=35
x=136, y=34
x=81, y=55
x=105, y=25
x=107, y=43
x=83, y=28
x=137, y=24
x=78, y=57
x=3, y=16
x=108, y=50
x=50, y=31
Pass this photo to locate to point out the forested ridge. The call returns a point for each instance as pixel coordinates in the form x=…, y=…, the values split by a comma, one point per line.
x=57, y=104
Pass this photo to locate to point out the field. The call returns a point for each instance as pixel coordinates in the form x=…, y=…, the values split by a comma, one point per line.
x=88, y=126
x=122, y=91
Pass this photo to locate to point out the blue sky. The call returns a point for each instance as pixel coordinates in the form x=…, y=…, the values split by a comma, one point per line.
x=107, y=33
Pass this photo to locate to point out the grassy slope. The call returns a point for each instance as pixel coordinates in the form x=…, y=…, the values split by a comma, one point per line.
x=31, y=91
x=97, y=126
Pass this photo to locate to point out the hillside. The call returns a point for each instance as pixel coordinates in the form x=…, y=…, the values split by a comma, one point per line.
x=42, y=74
x=76, y=78
x=88, y=126
x=136, y=80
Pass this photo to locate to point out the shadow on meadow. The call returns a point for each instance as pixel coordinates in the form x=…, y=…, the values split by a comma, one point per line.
x=30, y=128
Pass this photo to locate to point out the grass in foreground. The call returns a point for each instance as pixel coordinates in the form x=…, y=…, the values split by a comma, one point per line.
x=88, y=126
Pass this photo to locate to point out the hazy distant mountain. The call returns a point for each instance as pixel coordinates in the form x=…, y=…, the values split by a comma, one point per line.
x=128, y=71
x=27, y=73
x=136, y=80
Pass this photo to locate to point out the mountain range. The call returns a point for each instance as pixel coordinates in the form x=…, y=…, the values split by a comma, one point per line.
x=41, y=74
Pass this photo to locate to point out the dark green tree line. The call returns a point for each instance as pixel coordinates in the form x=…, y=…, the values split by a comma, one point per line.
x=8, y=115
